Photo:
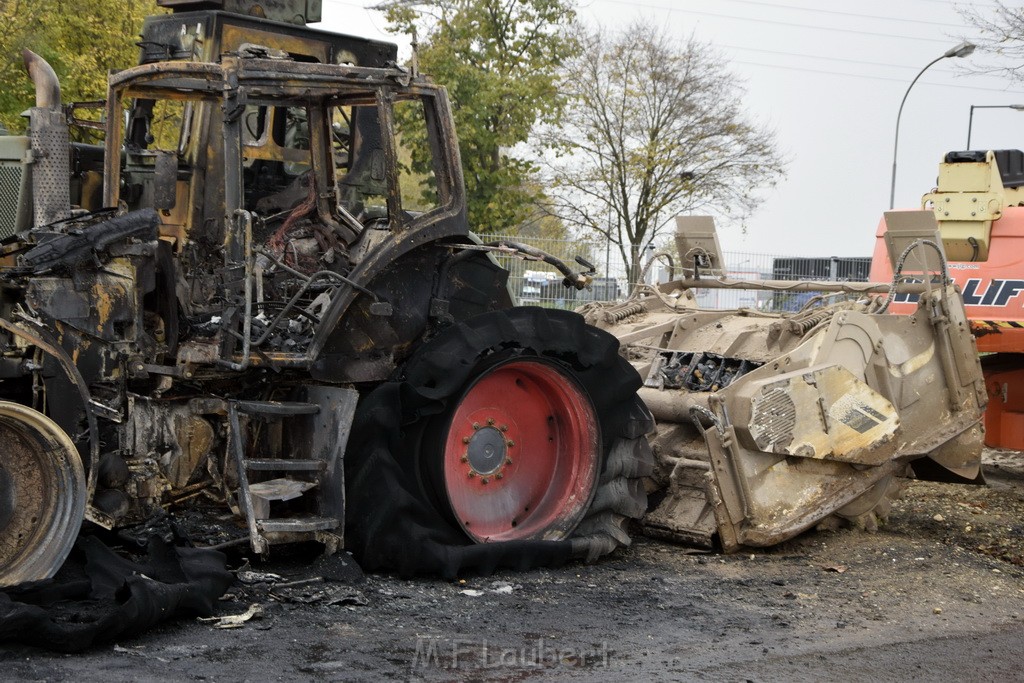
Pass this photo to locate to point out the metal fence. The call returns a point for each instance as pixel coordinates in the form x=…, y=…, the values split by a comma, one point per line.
x=537, y=283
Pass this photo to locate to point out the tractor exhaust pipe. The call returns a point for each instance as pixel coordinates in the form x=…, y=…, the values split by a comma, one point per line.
x=45, y=80
x=51, y=146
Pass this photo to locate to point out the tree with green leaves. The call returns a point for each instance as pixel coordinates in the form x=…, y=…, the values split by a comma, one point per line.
x=499, y=60
x=81, y=39
x=655, y=128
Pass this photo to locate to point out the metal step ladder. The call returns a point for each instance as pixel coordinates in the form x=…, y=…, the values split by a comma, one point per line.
x=319, y=425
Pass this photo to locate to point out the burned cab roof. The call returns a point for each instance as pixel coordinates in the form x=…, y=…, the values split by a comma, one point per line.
x=208, y=34
x=267, y=78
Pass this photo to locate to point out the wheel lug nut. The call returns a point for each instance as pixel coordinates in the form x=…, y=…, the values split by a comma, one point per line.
x=508, y=461
x=499, y=475
x=485, y=480
x=464, y=458
x=465, y=439
x=490, y=420
x=472, y=474
x=503, y=428
x=511, y=443
x=476, y=425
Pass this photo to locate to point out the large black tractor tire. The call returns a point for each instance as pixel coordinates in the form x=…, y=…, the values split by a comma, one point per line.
x=446, y=460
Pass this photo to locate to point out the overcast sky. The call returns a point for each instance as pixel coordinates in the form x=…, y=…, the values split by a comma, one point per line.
x=828, y=77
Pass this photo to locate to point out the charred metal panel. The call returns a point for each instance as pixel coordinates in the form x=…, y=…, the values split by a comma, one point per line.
x=169, y=433
x=367, y=347
x=292, y=11
x=328, y=433
x=105, y=305
x=209, y=33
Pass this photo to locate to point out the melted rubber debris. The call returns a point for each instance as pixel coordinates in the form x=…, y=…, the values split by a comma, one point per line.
x=99, y=596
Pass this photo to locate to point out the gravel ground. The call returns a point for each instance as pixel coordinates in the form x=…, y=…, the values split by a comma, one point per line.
x=937, y=593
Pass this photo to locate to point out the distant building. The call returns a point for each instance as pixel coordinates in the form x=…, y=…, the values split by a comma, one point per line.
x=834, y=269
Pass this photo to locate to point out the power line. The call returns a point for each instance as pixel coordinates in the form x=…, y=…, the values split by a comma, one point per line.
x=785, y=53
x=770, y=21
x=953, y=4
x=876, y=78
x=832, y=59
x=843, y=14
x=630, y=3
x=359, y=5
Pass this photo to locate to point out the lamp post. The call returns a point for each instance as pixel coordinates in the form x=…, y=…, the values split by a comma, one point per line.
x=970, y=119
x=961, y=50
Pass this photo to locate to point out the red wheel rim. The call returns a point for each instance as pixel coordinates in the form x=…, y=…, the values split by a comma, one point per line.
x=521, y=454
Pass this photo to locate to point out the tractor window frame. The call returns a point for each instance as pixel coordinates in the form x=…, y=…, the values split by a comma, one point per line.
x=192, y=83
x=441, y=163
x=384, y=99
x=117, y=98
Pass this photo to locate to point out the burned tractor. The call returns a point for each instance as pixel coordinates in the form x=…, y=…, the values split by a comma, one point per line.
x=253, y=292
x=257, y=290
x=773, y=423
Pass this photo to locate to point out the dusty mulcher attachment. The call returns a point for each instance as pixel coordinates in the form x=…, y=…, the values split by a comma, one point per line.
x=771, y=423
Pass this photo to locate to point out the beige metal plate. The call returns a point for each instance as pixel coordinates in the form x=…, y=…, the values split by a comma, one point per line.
x=826, y=413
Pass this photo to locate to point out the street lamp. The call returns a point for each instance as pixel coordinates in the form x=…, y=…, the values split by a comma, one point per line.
x=970, y=119
x=961, y=50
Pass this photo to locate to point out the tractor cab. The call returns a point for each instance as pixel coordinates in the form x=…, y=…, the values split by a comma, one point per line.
x=307, y=177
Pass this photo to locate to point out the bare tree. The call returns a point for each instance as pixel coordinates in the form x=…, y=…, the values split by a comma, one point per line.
x=654, y=128
x=999, y=33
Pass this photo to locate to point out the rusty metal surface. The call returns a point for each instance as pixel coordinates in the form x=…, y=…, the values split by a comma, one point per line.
x=292, y=11
x=205, y=35
x=42, y=495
